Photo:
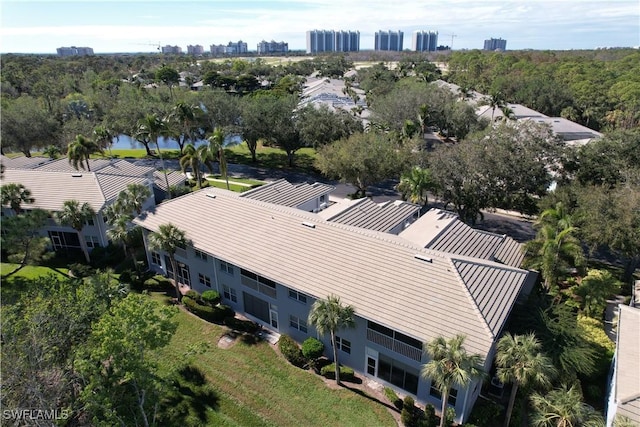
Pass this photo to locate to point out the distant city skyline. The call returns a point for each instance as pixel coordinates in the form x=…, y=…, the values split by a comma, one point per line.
x=114, y=26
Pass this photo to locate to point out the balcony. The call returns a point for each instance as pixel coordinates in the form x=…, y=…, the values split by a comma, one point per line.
x=394, y=345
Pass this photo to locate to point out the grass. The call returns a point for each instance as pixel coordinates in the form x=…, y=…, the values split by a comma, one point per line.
x=273, y=158
x=30, y=271
x=255, y=386
x=233, y=187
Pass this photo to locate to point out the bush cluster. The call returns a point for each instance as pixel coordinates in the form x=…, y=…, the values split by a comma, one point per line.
x=211, y=297
x=80, y=270
x=290, y=350
x=158, y=283
x=241, y=325
x=346, y=373
x=412, y=416
x=393, y=397
x=312, y=348
x=215, y=314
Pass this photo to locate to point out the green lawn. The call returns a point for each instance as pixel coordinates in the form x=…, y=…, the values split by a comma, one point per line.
x=30, y=271
x=273, y=158
x=254, y=386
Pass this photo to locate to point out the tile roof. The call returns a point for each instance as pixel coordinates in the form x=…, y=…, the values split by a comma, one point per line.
x=434, y=294
x=282, y=192
x=443, y=231
x=174, y=178
x=374, y=216
x=23, y=162
x=627, y=390
x=54, y=182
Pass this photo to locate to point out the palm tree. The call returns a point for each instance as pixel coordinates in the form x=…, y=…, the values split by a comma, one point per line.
x=329, y=316
x=169, y=238
x=104, y=138
x=555, y=249
x=216, y=149
x=507, y=114
x=450, y=366
x=415, y=184
x=194, y=157
x=563, y=408
x=187, y=119
x=153, y=127
x=14, y=195
x=75, y=215
x=133, y=197
x=80, y=150
x=519, y=361
x=495, y=101
x=119, y=232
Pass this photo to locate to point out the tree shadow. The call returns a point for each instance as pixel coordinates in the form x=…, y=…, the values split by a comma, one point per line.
x=364, y=394
x=189, y=399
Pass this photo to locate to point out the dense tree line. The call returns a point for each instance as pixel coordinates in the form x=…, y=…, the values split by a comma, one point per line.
x=599, y=89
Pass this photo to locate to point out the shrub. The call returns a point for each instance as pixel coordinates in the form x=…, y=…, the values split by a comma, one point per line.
x=290, y=350
x=194, y=295
x=158, y=283
x=211, y=314
x=410, y=415
x=241, y=325
x=485, y=412
x=450, y=414
x=134, y=278
x=211, y=297
x=312, y=348
x=329, y=371
x=429, y=418
x=81, y=270
x=393, y=397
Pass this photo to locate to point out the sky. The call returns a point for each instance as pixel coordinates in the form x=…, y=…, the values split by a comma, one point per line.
x=139, y=26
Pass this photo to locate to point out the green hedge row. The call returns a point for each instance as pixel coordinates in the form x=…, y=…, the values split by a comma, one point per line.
x=215, y=314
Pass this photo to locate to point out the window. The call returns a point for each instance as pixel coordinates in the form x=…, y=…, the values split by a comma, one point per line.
x=453, y=394
x=397, y=374
x=92, y=241
x=90, y=222
x=226, y=267
x=298, y=296
x=258, y=283
x=297, y=323
x=204, y=280
x=155, y=258
x=201, y=255
x=229, y=293
x=343, y=345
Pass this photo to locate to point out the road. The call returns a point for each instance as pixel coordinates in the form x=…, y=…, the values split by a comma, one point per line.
x=519, y=228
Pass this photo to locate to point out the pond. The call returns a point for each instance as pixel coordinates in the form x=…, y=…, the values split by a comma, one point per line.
x=125, y=142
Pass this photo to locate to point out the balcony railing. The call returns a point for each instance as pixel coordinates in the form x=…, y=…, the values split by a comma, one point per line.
x=257, y=286
x=394, y=345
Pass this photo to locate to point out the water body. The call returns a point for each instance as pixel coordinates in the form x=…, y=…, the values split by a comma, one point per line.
x=125, y=142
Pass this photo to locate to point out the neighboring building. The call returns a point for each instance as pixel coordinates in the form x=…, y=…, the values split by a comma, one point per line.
x=330, y=92
x=495, y=44
x=53, y=182
x=172, y=50
x=74, y=51
x=333, y=41
x=266, y=48
x=624, y=387
x=425, y=41
x=195, y=50
x=307, y=197
x=232, y=48
x=271, y=262
x=389, y=40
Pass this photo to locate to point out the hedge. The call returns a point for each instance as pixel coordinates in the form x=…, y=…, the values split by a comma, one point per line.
x=312, y=348
x=211, y=297
x=329, y=371
x=393, y=397
x=290, y=350
x=211, y=314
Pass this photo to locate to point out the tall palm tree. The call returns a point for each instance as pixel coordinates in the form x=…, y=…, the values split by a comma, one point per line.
x=169, y=238
x=119, y=232
x=520, y=362
x=450, y=365
x=555, y=249
x=495, y=101
x=187, y=118
x=507, y=114
x=133, y=197
x=80, y=150
x=104, y=138
x=75, y=215
x=153, y=127
x=14, y=195
x=564, y=408
x=216, y=149
x=194, y=158
x=329, y=316
x=415, y=185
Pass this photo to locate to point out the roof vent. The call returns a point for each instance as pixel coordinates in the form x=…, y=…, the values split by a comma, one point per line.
x=76, y=175
x=211, y=196
x=422, y=258
x=309, y=224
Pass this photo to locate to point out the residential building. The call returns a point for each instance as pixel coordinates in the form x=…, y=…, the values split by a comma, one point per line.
x=389, y=40
x=333, y=41
x=266, y=48
x=271, y=262
x=495, y=44
x=331, y=92
x=232, y=48
x=307, y=197
x=388, y=217
x=74, y=51
x=172, y=50
x=424, y=41
x=195, y=50
x=624, y=386
x=52, y=182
